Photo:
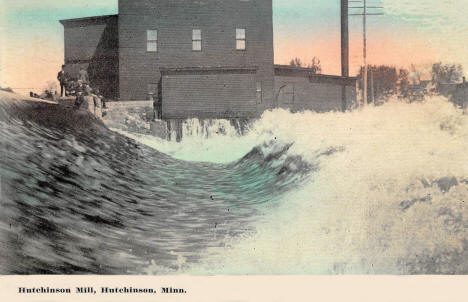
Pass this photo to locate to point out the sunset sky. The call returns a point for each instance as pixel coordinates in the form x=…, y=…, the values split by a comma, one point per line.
x=418, y=32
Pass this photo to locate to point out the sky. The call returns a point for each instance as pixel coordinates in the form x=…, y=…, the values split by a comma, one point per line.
x=411, y=32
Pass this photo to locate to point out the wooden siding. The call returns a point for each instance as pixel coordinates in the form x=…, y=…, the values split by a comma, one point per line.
x=315, y=93
x=92, y=43
x=212, y=94
x=174, y=20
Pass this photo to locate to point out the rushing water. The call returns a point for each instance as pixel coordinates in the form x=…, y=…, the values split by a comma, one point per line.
x=381, y=190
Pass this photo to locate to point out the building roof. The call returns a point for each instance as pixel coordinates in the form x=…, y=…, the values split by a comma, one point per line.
x=292, y=71
x=93, y=19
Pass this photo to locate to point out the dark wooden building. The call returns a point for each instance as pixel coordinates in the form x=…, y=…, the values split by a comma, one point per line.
x=93, y=43
x=206, y=59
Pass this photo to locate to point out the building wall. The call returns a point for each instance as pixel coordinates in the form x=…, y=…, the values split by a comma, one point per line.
x=174, y=20
x=216, y=93
x=114, y=50
x=92, y=43
x=299, y=90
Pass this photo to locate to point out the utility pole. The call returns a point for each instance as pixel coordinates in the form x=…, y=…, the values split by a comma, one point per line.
x=364, y=15
x=344, y=50
x=344, y=39
x=364, y=51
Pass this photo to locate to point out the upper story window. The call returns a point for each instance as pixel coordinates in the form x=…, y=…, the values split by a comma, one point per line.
x=240, y=38
x=151, y=40
x=196, y=40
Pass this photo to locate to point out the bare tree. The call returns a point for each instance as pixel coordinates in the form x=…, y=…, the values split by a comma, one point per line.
x=296, y=62
x=315, y=64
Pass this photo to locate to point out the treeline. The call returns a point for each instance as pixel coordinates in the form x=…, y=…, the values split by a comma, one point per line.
x=384, y=81
x=314, y=65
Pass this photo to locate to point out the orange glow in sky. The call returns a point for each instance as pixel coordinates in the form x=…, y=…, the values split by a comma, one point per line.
x=31, y=37
x=384, y=49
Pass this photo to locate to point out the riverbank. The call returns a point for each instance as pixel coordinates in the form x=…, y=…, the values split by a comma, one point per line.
x=12, y=96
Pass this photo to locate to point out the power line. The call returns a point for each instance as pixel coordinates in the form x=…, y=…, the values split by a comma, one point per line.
x=368, y=14
x=364, y=15
x=367, y=7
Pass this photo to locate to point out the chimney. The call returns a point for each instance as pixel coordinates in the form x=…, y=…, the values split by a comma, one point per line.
x=344, y=39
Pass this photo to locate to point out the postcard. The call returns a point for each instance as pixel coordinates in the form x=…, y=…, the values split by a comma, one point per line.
x=233, y=150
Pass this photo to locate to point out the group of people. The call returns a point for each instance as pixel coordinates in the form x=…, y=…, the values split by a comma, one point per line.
x=67, y=84
x=87, y=98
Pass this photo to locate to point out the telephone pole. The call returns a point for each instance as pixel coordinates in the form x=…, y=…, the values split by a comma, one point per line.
x=344, y=50
x=364, y=15
x=364, y=51
x=344, y=39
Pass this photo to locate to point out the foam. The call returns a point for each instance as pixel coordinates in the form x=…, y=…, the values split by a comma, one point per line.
x=379, y=205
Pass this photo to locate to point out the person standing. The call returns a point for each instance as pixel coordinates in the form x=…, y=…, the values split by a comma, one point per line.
x=83, y=76
x=62, y=78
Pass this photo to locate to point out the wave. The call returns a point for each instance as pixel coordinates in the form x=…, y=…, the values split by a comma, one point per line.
x=79, y=198
x=391, y=201
x=380, y=190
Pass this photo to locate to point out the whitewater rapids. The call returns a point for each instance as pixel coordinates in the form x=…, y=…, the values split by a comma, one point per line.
x=380, y=190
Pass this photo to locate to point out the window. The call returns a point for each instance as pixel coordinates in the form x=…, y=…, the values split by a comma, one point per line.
x=259, y=93
x=240, y=38
x=151, y=40
x=196, y=40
